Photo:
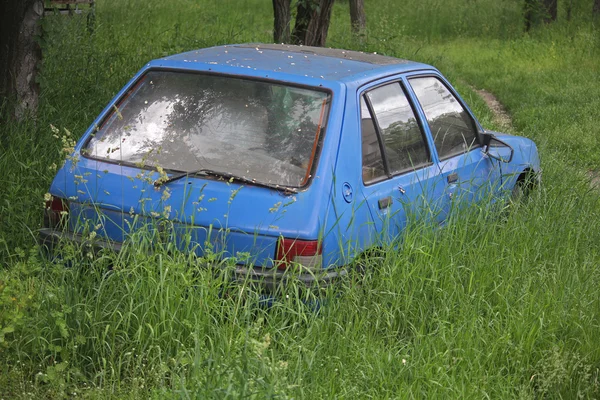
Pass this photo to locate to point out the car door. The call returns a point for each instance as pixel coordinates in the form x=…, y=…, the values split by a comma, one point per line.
x=400, y=179
x=468, y=174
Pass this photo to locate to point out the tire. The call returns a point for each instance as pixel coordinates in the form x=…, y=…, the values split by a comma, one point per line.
x=525, y=185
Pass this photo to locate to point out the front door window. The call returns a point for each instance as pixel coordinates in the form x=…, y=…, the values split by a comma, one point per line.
x=451, y=126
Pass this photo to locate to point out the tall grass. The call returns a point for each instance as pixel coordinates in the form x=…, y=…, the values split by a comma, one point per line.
x=490, y=306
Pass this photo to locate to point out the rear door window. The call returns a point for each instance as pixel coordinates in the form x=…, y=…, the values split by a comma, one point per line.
x=392, y=121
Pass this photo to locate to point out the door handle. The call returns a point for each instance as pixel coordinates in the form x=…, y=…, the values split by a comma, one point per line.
x=452, y=178
x=385, y=202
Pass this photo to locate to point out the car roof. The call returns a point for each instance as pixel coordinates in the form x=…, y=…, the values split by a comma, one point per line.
x=303, y=61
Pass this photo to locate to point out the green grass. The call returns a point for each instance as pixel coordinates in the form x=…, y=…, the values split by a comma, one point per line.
x=497, y=306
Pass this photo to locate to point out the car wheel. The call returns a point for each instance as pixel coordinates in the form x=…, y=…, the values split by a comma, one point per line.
x=526, y=183
x=362, y=263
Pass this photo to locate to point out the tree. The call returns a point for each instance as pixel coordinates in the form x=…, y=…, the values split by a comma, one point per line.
x=536, y=11
x=282, y=20
x=312, y=22
x=528, y=11
x=20, y=53
x=550, y=10
x=311, y=25
x=357, y=16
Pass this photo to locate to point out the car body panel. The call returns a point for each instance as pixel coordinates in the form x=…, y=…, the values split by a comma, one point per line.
x=526, y=158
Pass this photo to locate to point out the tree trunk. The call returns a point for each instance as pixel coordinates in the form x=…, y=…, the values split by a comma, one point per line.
x=357, y=16
x=569, y=9
x=20, y=54
x=536, y=11
x=596, y=9
x=529, y=13
x=550, y=10
x=281, y=25
x=312, y=22
x=303, y=15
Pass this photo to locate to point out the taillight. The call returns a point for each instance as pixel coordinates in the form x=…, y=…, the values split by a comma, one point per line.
x=56, y=213
x=308, y=253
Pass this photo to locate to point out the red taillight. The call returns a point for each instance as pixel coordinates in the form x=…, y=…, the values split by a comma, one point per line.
x=305, y=252
x=56, y=212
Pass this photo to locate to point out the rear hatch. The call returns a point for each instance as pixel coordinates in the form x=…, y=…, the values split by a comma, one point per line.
x=208, y=161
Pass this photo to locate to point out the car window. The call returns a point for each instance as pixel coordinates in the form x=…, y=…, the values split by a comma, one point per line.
x=185, y=121
x=451, y=125
x=373, y=169
x=403, y=140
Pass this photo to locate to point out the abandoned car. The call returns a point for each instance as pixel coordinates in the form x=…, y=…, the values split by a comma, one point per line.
x=287, y=155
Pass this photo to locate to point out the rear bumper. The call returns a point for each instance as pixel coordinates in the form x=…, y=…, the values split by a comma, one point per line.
x=50, y=238
x=265, y=278
x=271, y=278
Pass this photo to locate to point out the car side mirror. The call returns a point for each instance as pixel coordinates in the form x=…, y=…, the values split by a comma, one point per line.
x=496, y=148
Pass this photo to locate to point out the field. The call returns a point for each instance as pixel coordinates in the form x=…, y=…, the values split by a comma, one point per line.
x=496, y=306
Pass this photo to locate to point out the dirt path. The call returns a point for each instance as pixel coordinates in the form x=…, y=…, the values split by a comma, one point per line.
x=501, y=116
x=594, y=179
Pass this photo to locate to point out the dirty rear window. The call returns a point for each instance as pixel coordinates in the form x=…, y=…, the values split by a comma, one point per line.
x=184, y=122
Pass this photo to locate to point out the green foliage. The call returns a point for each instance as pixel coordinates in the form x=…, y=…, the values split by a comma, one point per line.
x=17, y=294
x=493, y=305
x=548, y=82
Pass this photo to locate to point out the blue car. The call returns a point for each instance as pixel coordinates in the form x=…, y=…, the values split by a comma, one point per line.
x=280, y=157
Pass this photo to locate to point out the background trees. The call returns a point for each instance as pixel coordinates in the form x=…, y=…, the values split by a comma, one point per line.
x=358, y=19
x=536, y=11
x=20, y=53
x=312, y=21
x=282, y=20
x=311, y=24
x=546, y=11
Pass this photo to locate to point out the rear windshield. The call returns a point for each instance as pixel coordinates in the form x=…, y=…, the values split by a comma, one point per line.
x=184, y=122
